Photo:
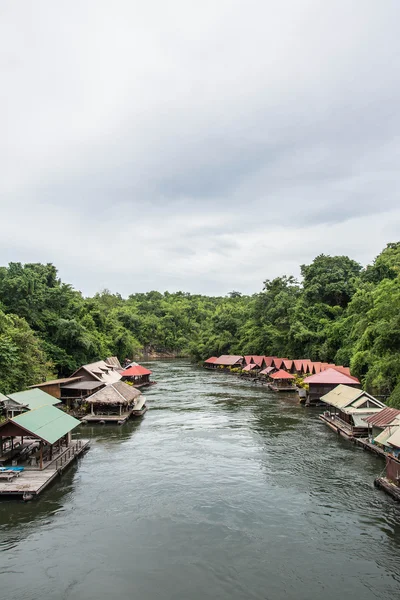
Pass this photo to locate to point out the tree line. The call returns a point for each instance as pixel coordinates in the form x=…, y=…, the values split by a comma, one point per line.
x=339, y=312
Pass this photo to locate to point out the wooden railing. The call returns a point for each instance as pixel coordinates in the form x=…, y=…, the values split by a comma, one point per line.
x=68, y=454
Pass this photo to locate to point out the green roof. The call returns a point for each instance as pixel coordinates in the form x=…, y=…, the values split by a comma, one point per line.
x=3, y=397
x=47, y=422
x=34, y=398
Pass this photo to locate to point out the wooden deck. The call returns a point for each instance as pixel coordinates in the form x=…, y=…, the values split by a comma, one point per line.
x=103, y=419
x=338, y=426
x=32, y=481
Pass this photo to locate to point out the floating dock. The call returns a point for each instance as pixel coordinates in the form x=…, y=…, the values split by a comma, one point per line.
x=390, y=488
x=32, y=481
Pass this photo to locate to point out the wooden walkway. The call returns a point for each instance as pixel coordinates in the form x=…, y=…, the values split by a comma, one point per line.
x=32, y=481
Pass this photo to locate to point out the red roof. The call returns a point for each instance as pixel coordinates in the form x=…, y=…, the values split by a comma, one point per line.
x=135, y=371
x=288, y=363
x=278, y=362
x=228, y=360
x=331, y=376
x=269, y=360
x=258, y=360
x=267, y=370
x=384, y=418
x=212, y=359
x=282, y=375
x=316, y=367
x=250, y=367
x=344, y=370
x=298, y=365
x=248, y=359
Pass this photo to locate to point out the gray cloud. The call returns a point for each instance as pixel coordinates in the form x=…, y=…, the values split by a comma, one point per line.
x=197, y=146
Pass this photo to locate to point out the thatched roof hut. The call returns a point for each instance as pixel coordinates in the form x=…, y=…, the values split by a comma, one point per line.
x=115, y=393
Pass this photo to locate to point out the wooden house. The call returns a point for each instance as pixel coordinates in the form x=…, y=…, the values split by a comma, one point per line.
x=298, y=366
x=53, y=387
x=114, y=403
x=267, y=371
x=139, y=376
x=381, y=423
x=282, y=381
x=229, y=360
x=348, y=409
x=251, y=370
x=288, y=365
x=31, y=399
x=320, y=384
x=98, y=371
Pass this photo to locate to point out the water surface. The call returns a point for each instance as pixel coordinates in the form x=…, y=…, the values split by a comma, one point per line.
x=223, y=491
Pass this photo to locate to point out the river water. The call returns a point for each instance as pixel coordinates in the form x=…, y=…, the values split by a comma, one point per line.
x=223, y=491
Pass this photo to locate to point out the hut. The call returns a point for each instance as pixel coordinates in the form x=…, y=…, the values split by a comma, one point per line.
x=114, y=403
x=348, y=409
x=298, y=366
x=288, y=365
x=139, y=376
x=250, y=370
x=210, y=362
x=325, y=381
x=267, y=371
x=282, y=381
x=35, y=446
x=229, y=360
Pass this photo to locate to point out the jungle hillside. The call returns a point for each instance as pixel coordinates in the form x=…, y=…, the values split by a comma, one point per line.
x=339, y=311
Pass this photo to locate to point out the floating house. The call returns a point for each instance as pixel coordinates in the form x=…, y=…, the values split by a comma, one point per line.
x=267, y=371
x=35, y=446
x=282, y=381
x=98, y=371
x=210, y=362
x=114, y=403
x=20, y=402
x=139, y=376
x=348, y=409
x=54, y=386
x=325, y=381
x=229, y=360
x=251, y=370
x=381, y=426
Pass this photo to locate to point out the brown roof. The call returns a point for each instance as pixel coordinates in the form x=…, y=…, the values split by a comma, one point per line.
x=115, y=393
x=384, y=418
x=55, y=381
x=228, y=360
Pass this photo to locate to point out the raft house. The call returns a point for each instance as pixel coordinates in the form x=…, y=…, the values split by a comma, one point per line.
x=282, y=381
x=35, y=447
x=347, y=411
x=325, y=381
x=137, y=375
x=114, y=404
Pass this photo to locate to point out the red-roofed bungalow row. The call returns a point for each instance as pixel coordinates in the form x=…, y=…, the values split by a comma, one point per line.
x=302, y=366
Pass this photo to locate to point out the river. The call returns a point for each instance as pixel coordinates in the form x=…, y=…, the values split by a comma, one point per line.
x=223, y=491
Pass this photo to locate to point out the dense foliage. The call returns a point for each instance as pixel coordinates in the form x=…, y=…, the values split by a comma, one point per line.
x=339, y=312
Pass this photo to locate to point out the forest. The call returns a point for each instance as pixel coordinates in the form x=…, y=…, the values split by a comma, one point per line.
x=338, y=312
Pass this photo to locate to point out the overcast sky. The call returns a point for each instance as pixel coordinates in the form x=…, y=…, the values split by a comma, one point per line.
x=197, y=145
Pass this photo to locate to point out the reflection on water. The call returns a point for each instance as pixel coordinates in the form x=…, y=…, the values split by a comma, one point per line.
x=223, y=490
